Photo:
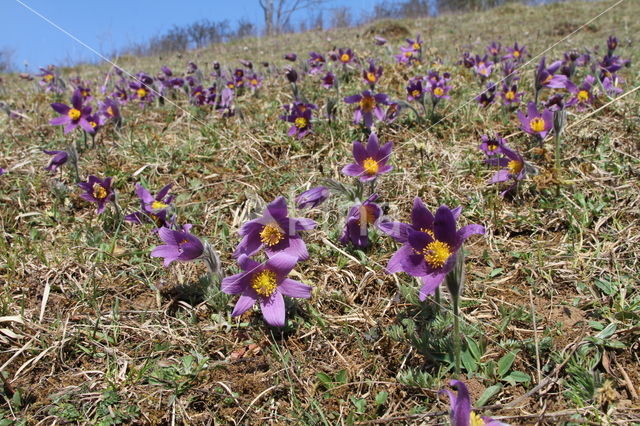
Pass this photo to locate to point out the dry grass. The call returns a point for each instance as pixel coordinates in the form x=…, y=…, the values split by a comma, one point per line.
x=93, y=330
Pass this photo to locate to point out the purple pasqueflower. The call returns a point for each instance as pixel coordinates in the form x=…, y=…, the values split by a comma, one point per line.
x=59, y=158
x=514, y=168
x=483, y=67
x=360, y=216
x=300, y=114
x=178, y=245
x=430, y=252
x=329, y=80
x=265, y=283
x=313, y=197
x=494, y=49
x=141, y=92
x=121, y=95
x=368, y=106
x=275, y=231
x=510, y=95
x=461, y=413
x=154, y=208
x=535, y=122
x=467, y=60
x=345, y=56
x=85, y=93
x=110, y=109
x=198, y=96
x=98, y=191
x=547, y=77
x=379, y=41
x=611, y=85
x=371, y=161
x=492, y=146
x=255, y=81
x=415, y=90
x=316, y=61
x=583, y=95
x=371, y=75
x=421, y=220
x=415, y=45
x=487, y=97
x=510, y=72
x=612, y=44
x=292, y=75
x=96, y=121
x=516, y=52
x=291, y=57
x=72, y=116
x=610, y=65
x=439, y=91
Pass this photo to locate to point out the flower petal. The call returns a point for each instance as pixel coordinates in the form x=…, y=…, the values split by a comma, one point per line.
x=293, y=288
x=273, y=309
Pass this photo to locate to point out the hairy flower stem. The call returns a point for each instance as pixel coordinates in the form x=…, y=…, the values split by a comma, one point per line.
x=457, y=346
x=558, y=141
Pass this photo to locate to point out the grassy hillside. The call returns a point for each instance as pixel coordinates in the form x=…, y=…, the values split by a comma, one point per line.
x=95, y=331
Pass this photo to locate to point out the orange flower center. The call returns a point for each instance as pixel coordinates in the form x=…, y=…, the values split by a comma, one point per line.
x=99, y=192
x=537, y=124
x=74, y=114
x=516, y=53
x=415, y=93
x=371, y=166
x=436, y=253
x=48, y=78
x=345, y=57
x=141, y=93
x=510, y=95
x=371, y=77
x=110, y=112
x=514, y=167
x=367, y=103
x=416, y=46
x=583, y=96
x=264, y=283
x=438, y=91
x=271, y=234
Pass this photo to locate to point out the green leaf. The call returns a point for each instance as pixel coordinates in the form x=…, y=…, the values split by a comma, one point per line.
x=474, y=348
x=488, y=393
x=505, y=363
x=341, y=377
x=468, y=361
x=325, y=379
x=495, y=272
x=381, y=397
x=517, y=377
x=607, y=332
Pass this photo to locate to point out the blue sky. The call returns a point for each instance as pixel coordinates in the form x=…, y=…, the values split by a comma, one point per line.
x=109, y=25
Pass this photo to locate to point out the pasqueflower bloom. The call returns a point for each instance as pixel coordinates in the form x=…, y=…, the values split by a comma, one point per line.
x=483, y=67
x=154, y=208
x=316, y=62
x=492, y=146
x=535, y=122
x=415, y=45
x=494, y=49
x=368, y=106
x=371, y=75
x=74, y=115
x=300, y=114
x=345, y=56
x=611, y=85
x=612, y=44
x=510, y=95
x=406, y=56
x=291, y=57
x=329, y=80
x=255, y=81
x=514, y=168
x=517, y=53
x=583, y=95
x=487, y=97
x=415, y=90
x=379, y=41
x=110, y=109
x=276, y=232
x=371, y=161
x=178, y=245
x=141, y=91
x=547, y=77
x=430, y=253
x=392, y=112
x=265, y=283
x=313, y=197
x=461, y=413
x=59, y=158
x=360, y=217
x=98, y=191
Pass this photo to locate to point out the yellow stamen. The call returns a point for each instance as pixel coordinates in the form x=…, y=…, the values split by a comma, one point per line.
x=110, y=111
x=438, y=91
x=48, y=78
x=436, y=253
x=85, y=93
x=515, y=167
x=371, y=166
x=416, y=46
x=510, y=95
x=157, y=205
x=93, y=124
x=99, y=192
x=408, y=54
x=492, y=146
x=415, y=93
x=264, y=283
x=548, y=79
x=301, y=122
x=271, y=234
x=230, y=85
x=428, y=232
x=367, y=103
x=475, y=420
x=516, y=53
x=537, y=124
x=254, y=82
x=74, y=114
x=141, y=92
x=583, y=96
x=371, y=77
x=345, y=57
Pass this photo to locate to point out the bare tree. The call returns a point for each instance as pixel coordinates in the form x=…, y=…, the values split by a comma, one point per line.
x=277, y=13
x=6, y=59
x=340, y=17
